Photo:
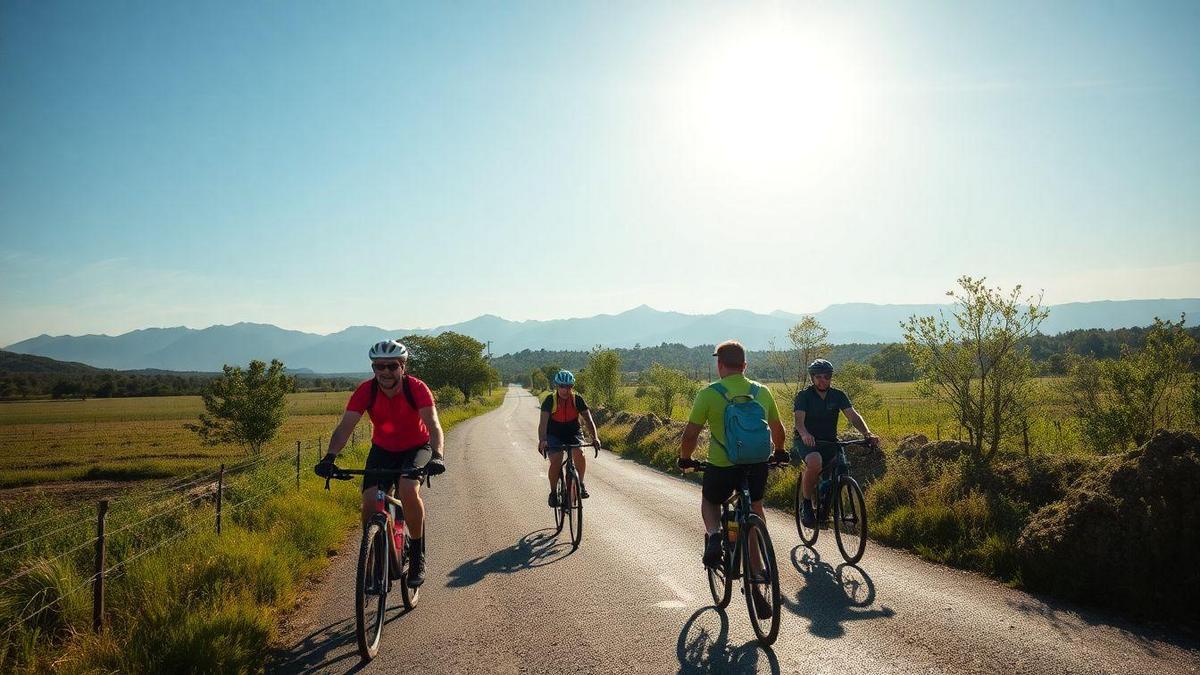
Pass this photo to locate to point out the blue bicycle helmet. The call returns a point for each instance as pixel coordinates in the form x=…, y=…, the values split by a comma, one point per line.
x=564, y=378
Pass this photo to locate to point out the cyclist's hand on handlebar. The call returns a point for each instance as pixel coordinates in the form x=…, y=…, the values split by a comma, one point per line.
x=685, y=464
x=543, y=446
x=326, y=466
x=436, y=466
x=873, y=440
x=781, y=457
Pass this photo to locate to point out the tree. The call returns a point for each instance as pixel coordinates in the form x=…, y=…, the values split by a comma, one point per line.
x=977, y=366
x=245, y=407
x=450, y=359
x=538, y=381
x=664, y=386
x=855, y=379
x=603, y=377
x=1122, y=401
x=893, y=364
x=808, y=338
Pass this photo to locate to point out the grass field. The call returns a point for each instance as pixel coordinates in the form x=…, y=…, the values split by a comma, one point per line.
x=180, y=598
x=904, y=411
x=133, y=438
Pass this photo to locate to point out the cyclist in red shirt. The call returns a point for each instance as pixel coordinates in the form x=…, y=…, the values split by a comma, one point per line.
x=561, y=411
x=407, y=435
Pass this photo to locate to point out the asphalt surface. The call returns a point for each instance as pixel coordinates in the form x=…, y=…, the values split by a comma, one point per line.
x=502, y=594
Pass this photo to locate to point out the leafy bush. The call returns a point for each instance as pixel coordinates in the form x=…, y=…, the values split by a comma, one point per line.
x=448, y=396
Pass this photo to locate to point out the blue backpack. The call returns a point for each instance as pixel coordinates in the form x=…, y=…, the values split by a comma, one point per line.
x=747, y=436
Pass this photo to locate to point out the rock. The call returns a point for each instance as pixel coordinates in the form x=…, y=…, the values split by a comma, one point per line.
x=866, y=463
x=938, y=451
x=912, y=442
x=601, y=415
x=1125, y=534
x=643, y=427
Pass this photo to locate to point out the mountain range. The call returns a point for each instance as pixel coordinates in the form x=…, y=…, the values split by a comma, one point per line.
x=208, y=349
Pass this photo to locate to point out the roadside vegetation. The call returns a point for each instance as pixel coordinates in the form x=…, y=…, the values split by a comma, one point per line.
x=1041, y=482
x=180, y=598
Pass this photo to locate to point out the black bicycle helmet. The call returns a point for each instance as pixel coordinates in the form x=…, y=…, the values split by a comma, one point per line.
x=820, y=366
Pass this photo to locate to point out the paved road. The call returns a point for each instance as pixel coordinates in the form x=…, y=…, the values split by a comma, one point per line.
x=502, y=595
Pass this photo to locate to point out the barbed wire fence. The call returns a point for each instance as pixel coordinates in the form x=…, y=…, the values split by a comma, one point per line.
x=153, y=519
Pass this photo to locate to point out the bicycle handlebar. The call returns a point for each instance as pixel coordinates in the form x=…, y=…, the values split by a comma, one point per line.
x=704, y=466
x=421, y=474
x=576, y=446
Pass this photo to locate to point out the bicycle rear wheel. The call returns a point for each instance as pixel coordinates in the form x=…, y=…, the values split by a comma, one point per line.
x=756, y=543
x=850, y=520
x=808, y=535
x=410, y=595
x=371, y=583
x=719, y=582
x=574, y=509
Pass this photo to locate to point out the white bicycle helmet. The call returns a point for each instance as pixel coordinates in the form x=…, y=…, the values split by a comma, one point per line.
x=389, y=349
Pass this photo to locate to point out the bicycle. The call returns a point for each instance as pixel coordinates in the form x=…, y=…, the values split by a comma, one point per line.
x=744, y=537
x=381, y=559
x=844, y=500
x=570, y=504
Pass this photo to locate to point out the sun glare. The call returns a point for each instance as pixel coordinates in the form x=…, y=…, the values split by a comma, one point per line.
x=771, y=97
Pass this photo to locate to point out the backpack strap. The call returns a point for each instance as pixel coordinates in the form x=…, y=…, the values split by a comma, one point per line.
x=412, y=402
x=374, y=393
x=722, y=390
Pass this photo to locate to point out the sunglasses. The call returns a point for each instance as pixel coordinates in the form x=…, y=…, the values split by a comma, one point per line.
x=565, y=386
x=823, y=377
x=392, y=367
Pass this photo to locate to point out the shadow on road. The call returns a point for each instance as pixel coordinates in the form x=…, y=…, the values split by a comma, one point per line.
x=831, y=596
x=329, y=648
x=703, y=647
x=535, y=549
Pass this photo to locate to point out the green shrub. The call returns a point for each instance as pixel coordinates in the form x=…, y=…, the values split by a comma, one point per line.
x=448, y=396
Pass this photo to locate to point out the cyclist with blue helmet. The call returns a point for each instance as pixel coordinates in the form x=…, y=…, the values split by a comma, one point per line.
x=561, y=412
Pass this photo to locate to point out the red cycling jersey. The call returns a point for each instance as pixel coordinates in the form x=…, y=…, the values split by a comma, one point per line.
x=398, y=426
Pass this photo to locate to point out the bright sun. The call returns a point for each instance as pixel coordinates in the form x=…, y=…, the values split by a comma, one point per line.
x=771, y=96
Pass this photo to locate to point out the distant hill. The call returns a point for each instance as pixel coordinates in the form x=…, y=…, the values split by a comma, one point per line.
x=208, y=349
x=12, y=362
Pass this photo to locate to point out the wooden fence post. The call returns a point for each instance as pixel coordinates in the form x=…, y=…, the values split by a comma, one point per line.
x=98, y=580
x=297, y=464
x=1025, y=434
x=220, y=494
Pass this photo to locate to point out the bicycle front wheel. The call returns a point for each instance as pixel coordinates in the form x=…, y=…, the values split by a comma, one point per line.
x=370, y=597
x=560, y=511
x=760, y=580
x=850, y=520
x=574, y=509
x=808, y=535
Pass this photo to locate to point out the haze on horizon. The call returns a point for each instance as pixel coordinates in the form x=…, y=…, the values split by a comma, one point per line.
x=317, y=166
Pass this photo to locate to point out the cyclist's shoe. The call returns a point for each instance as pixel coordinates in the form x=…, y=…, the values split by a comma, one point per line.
x=416, y=567
x=807, y=517
x=712, y=550
x=761, y=607
x=553, y=499
x=583, y=493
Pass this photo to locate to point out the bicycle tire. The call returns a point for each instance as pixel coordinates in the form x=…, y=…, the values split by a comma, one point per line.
x=410, y=596
x=560, y=513
x=770, y=579
x=807, y=535
x=719, y=582
x=575, y=509
x=370, y=609
x=850, y=520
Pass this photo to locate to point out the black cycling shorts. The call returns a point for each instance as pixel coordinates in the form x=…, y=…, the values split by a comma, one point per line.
x=828, y=451
x=720, y=482
x=405, y=460
x=555, y=444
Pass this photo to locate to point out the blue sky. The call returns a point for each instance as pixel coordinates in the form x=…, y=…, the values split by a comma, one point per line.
x=317, y=165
